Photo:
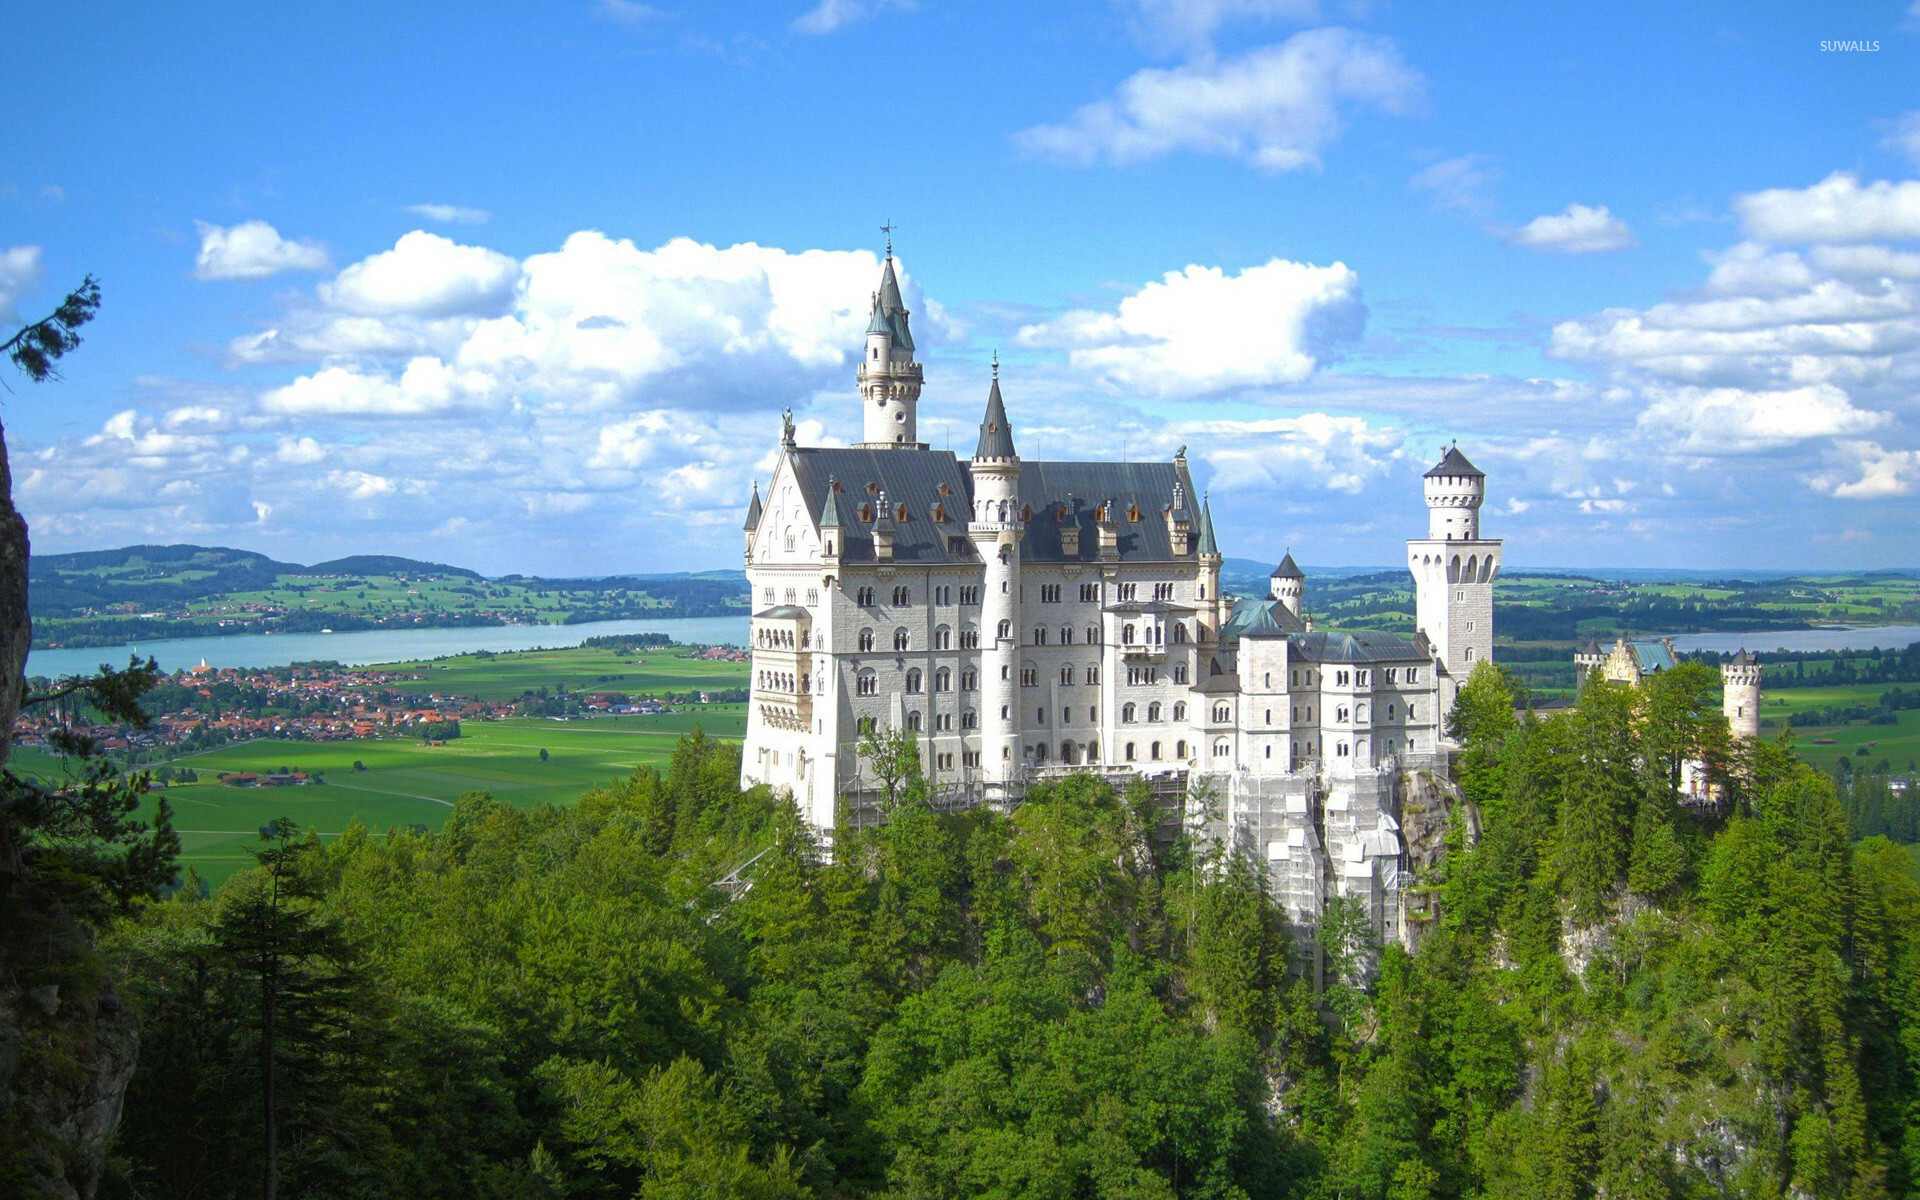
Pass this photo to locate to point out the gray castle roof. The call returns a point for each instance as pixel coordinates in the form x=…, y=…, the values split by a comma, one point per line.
x=889, y=311
x=1454, y=463
x=1328, y=646
x=1288, y=569
x=1260, y=618
x=915, y=478
x=1207, y=543
x=753, y=510
x=996, y=432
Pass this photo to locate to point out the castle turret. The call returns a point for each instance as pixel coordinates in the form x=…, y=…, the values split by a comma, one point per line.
x=889, y=378
x=1207, y=550
x=1288, y=584
x=995, y=532
x=752, y=525
x=1740, y=695
x=1453, y=570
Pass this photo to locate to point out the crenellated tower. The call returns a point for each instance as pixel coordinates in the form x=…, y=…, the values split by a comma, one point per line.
x=1453, y=570
x=995, y=532
x=889, y=378
x=1740, y=694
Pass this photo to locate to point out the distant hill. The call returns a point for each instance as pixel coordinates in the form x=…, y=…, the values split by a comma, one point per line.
x=382, y=564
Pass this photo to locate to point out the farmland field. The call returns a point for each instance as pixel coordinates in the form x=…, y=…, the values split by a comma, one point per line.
x=580, y=669
x=408, y=782
x=1899, y=744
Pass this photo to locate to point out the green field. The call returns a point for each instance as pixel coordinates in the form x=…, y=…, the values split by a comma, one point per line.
x=407, y=782
x=1898, y=744
x=580, y=669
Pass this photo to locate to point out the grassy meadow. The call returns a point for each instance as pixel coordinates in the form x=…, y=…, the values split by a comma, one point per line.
x=1898, y=744
x=486, y=676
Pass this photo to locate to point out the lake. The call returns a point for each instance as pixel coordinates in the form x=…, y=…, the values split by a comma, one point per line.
x=1875, y=637
x=359, y=647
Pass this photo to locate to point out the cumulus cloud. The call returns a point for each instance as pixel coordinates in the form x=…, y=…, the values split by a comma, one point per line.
x=830, y=15
x=252, y=250
x=1276, y=107
x=1722, y=421
x=1200, y=330
x=1340, y=454
x=1837, y=209
x=1463, y=184
x=300, y=451
x=19, y=272
x=1578, y=230
x=1869, y=471
x=425, y=275
x=427, y=386
x=1904, y=136
x=449, y=214
x=359, y=485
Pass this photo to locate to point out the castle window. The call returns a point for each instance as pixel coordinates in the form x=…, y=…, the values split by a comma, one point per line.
x=940, y=513
x=1126, y=714
x=1389, y=712
x=864, y=597
x=1130, y=754
x=868, y=684
x=1089, y=592
x=1066, y=676
x=1180, y=749
x=1093, y=635
x=913, y=721
x=900, y=510
x=1180, y=673
x=1093, y=676
x=1340, y=751
x=1469, y=653
x=1039, y=716
x=1066, y=635
x=942, y=638
x=1127, y=590
x=813, y=597
x=902, y=596
x=969, y=680
x=1029, y=677
x=913, y=681
x=1026, y=512
x=1126, y=635
x=1154, y=751
x=969, y=719
x=1222, y=713
x=1393, y=674
x=1066, y=716
x=1341, y=713
x=1163, y=591
x=970, y=594
x=768, y=593
x=1269, y=716
x=900, y=639
x=864, y=725
x=1005, y=630
x=1153, y=712
x=866, y=639
x=1413, y=676
x=1049, y=593
x=1179, y=633
x=1040, y=636
x=1221, y=749
x=866, y=514
x=1093, y=715
x=970, y=639
x=1180, y=712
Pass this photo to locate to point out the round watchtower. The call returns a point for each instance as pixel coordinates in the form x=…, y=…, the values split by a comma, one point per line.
x=1740, y=694
x=1288, y=584
x=1454, y=489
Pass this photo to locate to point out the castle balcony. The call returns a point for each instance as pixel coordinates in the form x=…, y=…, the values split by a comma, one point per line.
x=1141, y=652
x=892, y=372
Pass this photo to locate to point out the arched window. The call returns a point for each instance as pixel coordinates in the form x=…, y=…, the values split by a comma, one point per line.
x=1126, y=635
x=1179, y=633
x=1040, y=753
x=1154, y=751
x=1040, y=635
x=942, y=638
x=1093, y=752
x=913, y=682
x=913, y=720
x=943, y=680
x=1005, y=629
x=1066, y=752
x=1153, y=711
x=1180, y=749
x=1093, y=635
x=1222, y=712
x=1066, y=635
x=969, y=720
x=900, y=639
x=866, y=639
x=1130, y=754
x=868, y=684
x=1126, y=714
x=1221, y=749
x=1180, y=711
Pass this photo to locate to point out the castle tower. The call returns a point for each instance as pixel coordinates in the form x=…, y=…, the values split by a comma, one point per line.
x=1453, y=571
x=1288, y=584
x=889, y=378
x=1740, y=697
x=995, y=532
x=752, y=525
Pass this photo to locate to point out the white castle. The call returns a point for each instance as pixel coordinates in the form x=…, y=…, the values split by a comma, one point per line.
x=1025, y=618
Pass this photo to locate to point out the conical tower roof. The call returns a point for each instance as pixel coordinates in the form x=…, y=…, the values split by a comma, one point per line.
x=1455, y=463
x=1288, y=569
x=830, y=507
x=753, y=509
x=891, y=309
x=1207, y=544
x=996, y=433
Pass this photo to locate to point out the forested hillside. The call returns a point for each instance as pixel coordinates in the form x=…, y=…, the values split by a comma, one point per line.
x=1618, y=998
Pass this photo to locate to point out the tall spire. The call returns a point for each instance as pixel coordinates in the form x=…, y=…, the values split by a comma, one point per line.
x=830, y=508
x=753, y=509
x=890, y=308
x=1207, y=544
x=996, y=433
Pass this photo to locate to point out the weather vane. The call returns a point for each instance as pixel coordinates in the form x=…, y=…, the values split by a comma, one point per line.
x=888, y=229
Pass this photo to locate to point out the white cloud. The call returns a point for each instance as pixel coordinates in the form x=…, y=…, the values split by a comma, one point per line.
x=1462, y=184
x=630, y=13
x=1905, y=136
x=425, y=275
x=1340, y=454
x=449, y=214
x=1189, y=25
x=427, y=386
x=359, y=485
x=1578, y=230
x=829, y=15
x=300, y=451
x=1276, y=107
x=1725, y=421
x=1881, y=472
x=19, y=271
x=1201, y=330
x=252, y=250
x=1837, y=209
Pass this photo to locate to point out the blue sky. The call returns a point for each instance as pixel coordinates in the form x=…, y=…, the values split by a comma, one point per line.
x=525, y=287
